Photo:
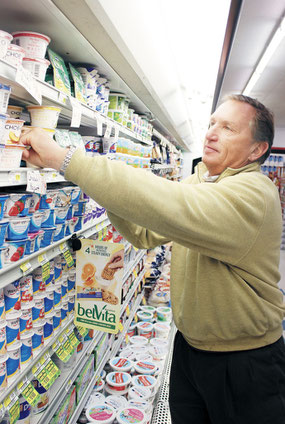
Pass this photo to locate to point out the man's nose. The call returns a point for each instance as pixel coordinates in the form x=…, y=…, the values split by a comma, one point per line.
x=212, y=133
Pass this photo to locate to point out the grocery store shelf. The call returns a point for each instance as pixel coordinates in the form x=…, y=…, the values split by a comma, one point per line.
x=52, y=96
x=11, y=273
x=27, y=371
x=133, y=263
x=18, y=176
x=108, y=355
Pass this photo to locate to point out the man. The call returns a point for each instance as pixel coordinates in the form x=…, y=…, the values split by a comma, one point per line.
x=225, y=221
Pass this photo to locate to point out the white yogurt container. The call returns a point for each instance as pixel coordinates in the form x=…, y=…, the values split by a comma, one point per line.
x=12, y=131
x=138, y=340
x=145, y=367
x=145, y=329
x=37, y=67
x=121, y=364
x=26, y=348
x=95, y=398
x=158, y=353
x=164, y=313
x=11, y=156
x=145, y=316
x=148, y=308
x=116, y=402
x=140, y=393
x=26, y=291
x=2, y=306
x=161, y=329
x=38, y=336
x=13, y=361
x=15, y=112
x=130, y=415
x=144, y=380
x=138, y=349
x=26, y=319
x=3, y=344
x=144, y=357
x=35, y=44
x=99, y=386
x=101, y=414
x=13, y=329
x=3, y=373
x=12, y=298
x=15, y=55
x=158, y=342
x=118, y=381
x=5, y=40
x=44, y=116
x=141, y=404
x=128, y=353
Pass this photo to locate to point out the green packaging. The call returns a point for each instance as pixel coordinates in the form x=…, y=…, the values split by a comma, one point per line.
x=79, y=87
x=60, y=75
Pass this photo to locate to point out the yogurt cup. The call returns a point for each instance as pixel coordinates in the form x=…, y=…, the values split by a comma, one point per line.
x=144, y=357
x=47, y=237
x=130, y=415
x=26, y=320
x=48, y=220
x=99, y=386
x=34, y=206
x=71, y=302
x=158, y=353
x=3, y=260
x=33, y=242
x=15, y=55
x=14, y=111
x=71, y=280
x=12, y=131
x=48, y=327
x=26, y=348
x=57, y=295
x=11, y=156
x=2, y=306
x=158, y=342
x=144, y=380
x=118, y=381
x=121, y=364
x=101, y=414
x=34, y=43
x=38, y=336
x=164, y=313
x=64, y=197
x=39, y=286
x=59, y=232
x=95, y=398
x=36, y=221
x=3, y=373
x=132, y=329
x=13, y=329
x=49, y=300
x=48, y=200
x=3, y=119
x=44, y=401
x=44, y=116
x=37, y=67
x=3, y=199
x=145, y=367
x=148, y=308
x=127, y=353
x=12, y=299
x=26, y=291
x=109, y=391
x=15, y=251
x=140, y=393
x=64, y=310
x=75, y=195
x=79, y=208
x=57, y=319
x=25, y=412
x=5, y=40
x=18, y=228
x=138, y=340
x=38, y=311
x=3, y=231
x=145, y=316
x=116, y=402
x=17, y=204
x=61, y=214
x=161, y=330
x=140, y=404
x=3, y=344
x=13, y=361
x=145, y=329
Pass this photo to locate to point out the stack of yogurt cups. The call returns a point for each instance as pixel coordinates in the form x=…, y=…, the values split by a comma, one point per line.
x=128, y=389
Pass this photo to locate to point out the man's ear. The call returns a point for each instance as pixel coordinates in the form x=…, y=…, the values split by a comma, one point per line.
x=260, y=147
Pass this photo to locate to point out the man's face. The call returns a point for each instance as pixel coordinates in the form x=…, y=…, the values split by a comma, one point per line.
x=228, y=142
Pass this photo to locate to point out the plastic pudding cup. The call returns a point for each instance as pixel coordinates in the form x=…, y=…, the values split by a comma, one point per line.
x=138, y=340
x=11, y=156
x=101, y=414
x=5, y=40
x=12, y=299
x=118, y=381
x=121, y=364
x=13, y=361
x=3, y=345
x=12, y=131
x=34, y=43
x=44, y=116
x=38, y=336
x=3, y=373
x=18, y=228
x=15, y=55
x=37, y=67
x=14, y=111
x=130, y=415
x=26, y=348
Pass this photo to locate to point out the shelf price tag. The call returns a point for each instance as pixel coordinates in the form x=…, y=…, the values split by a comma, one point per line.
x=99, y=120
x=82, y=331
x=26, y=80
x=61, y=353
x=46, y=271
x=117, y=129
x=76, y=112
x=127, y=338
x=26, y=267
x=135, y=318
x=28, y=391
x=135, y=273
x=100, y=235
x=143, y=301
x=67, y=255
x=108, y=130
x=12, y=405
x=67, y=346
x=14, y=177
x=73, y=339
x=36, y=182
x=48, y=374
x=121, y=327
x=128, y=311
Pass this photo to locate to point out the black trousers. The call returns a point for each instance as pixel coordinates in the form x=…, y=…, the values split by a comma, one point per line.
x=245, y=387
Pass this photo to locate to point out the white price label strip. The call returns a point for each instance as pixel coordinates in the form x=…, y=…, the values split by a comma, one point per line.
x=35, y=182
x=14, y=177
x=26, y=80
x=117, y=129
x=100, y=121
x=76, y=112
x=108, y=130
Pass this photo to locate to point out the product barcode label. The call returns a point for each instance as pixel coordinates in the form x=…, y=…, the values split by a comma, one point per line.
x=37, y=71
x=5, y=100
x=28, y=391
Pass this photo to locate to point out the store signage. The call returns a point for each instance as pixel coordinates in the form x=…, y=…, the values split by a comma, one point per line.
x=26, y=80
x=76, y=112
x=98, y=287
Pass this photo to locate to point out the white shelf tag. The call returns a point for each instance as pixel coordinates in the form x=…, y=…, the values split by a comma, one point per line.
x=26, y=80
x=35, y=182
x=108, y=130
x=62, y=97
x=117, y=129
x=76, y=112
x=100, y=121
x=14, y=177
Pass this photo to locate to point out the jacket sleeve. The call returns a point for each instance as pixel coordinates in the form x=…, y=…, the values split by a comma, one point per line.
x=220, y=220
x=138, y=236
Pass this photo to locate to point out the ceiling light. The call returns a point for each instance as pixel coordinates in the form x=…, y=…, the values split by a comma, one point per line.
x=268, y=53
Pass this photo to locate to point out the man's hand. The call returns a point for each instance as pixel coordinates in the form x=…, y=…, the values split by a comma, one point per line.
x=117, y=260
x=44, y=151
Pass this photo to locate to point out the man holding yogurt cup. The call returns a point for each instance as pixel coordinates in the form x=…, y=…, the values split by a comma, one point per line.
x=225, y=221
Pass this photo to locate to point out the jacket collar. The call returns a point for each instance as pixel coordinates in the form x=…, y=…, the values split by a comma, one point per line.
x=201, y=169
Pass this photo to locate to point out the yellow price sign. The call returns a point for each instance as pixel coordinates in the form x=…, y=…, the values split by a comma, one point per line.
x=26, y=266
x=128, y=311
x=135, y=318
x=14, y=411
x=135, y=273
x=144, y=301
x=121, y=327
x=28, y=391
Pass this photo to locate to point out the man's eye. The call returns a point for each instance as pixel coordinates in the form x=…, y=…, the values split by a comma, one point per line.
x=227, y=128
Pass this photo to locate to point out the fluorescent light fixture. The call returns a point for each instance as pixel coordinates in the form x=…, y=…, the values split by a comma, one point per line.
x=271, y=48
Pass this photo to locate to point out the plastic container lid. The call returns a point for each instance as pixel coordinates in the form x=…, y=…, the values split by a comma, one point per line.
x=145, y=367
x=31, y=34
x=130, y=415
x=148, y=308
x=99, y=385
x=138, y=340
x=144, y=357
x=144, y=380
x=95, y=398
x=157, y=341
x=118, y=379
x=145, y=316
x=139, y=393
x=158, y=352
x=140, y=349
x=127, y=353
x=116, y=402
x=141, y=404
x=121, y=364
x=116, y=392
x=103, y=414
x=14, y=346
x=144, y=326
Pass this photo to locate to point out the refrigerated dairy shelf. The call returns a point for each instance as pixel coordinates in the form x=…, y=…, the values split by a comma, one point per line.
x=108, y=355
x=40, y=92
x=133, y=263
x=11, y=273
